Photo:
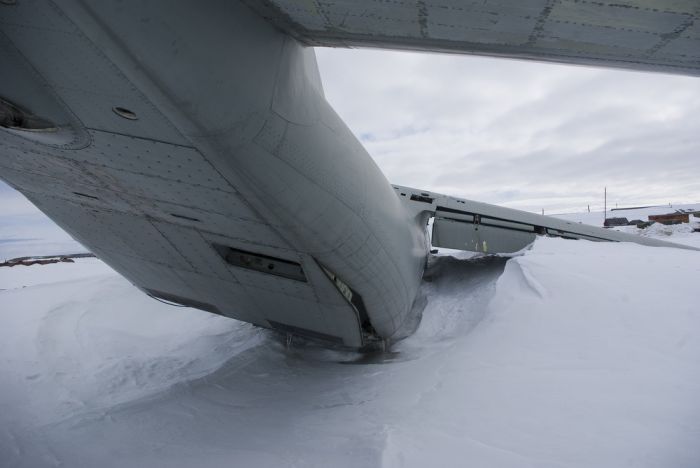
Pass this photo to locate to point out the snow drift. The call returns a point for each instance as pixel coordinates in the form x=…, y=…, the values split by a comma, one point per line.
x=573, y=354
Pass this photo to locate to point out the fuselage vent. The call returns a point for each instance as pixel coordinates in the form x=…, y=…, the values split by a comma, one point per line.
x=262, y=263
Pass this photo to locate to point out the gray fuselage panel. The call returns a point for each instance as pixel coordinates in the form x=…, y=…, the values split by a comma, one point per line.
x=194, y=152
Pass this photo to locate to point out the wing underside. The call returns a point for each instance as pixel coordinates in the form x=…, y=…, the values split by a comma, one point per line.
x=649, y=35
x=480, y=227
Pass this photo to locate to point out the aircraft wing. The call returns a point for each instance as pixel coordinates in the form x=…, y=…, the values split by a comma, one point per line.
x=480, y=227
x=650, y=35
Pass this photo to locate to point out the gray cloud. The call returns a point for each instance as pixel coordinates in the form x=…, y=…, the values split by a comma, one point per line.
x=524, y=134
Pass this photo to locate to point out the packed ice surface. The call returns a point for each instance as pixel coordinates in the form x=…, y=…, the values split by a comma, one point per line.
x=573, y=354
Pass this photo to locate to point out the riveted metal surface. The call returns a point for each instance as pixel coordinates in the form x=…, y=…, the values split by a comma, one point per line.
x=192, y=246
x=229, y=298
x=152, y=158
x=84, y=79
x=653, y=35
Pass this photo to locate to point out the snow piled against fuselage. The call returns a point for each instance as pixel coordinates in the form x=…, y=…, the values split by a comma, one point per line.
x=573, y=354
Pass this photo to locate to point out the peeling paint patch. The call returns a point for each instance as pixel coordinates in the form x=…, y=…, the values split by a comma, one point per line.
x=541, y=20
x=423, y=18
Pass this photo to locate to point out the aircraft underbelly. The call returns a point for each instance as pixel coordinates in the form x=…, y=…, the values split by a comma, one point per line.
x=194, y=152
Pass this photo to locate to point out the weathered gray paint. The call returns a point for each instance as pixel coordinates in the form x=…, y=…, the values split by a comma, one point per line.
x=233, y=145
x=651, y=35
x=479, y=227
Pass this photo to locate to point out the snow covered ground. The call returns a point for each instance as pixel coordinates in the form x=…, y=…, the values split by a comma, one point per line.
x=574, y=354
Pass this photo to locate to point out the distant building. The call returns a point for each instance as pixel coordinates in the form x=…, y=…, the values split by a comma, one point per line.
x=670, y=218
x=610, y=222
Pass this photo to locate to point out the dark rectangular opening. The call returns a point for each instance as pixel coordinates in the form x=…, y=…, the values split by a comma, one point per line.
x=422, y=198
x=262, y=263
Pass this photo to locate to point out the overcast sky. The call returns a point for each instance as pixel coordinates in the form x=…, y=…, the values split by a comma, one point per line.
x=522, y=134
